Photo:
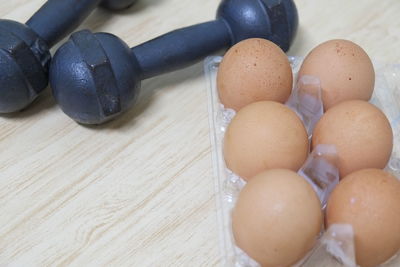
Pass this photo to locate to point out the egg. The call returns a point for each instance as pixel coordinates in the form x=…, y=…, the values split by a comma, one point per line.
x=369, y=200
x=360, y=132
x=277, y=218
x=344, y=69
x=265, y=135
x=254, y=70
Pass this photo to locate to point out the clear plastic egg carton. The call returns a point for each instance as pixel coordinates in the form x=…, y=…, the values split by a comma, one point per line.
x=335, y=246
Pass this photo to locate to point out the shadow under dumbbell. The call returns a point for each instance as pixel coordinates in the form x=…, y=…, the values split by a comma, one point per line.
x=299, y=43
x=102, y=16
x=139, y=6
x=96, y=20
x=43, y=102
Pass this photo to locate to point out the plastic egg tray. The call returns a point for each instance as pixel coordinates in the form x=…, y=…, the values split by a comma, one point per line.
x=335, y=246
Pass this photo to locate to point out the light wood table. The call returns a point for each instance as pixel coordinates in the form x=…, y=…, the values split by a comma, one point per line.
x=139, y=191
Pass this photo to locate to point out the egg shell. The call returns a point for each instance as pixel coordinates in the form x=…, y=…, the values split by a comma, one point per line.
x=360, y=132
x=277, y=218
x=265, y=135
x=344, y=69
x=369, y=200
x=254, y=70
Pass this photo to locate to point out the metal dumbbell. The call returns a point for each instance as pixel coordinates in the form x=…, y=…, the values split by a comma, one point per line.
x=24, y=48
x=95, y=77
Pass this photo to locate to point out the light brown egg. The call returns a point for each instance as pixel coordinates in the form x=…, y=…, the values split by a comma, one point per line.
x=265, y=135
x=277, y=218
x=344, y=69
x=254, y=70
x=361, y=133
x=369, y=200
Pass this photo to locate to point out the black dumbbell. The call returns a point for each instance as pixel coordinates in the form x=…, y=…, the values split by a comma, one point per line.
x=95, y=77
x=24, y=48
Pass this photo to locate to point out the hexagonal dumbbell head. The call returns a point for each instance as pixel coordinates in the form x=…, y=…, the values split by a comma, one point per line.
x=96, y=76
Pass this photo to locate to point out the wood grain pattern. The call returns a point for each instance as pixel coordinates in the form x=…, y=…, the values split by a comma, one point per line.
x=139, y=190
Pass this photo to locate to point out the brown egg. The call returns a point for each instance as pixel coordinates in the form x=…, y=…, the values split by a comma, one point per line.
x=369, y=200
x=277, y=218
x=344, y=69
x=254, y=70
x=265, y=135
x=361, y=133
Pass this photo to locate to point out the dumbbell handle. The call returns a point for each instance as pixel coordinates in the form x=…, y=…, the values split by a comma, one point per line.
x=181, y=48
x=56, y=18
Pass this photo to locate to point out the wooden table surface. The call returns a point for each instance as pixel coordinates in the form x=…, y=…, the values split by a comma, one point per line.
x=139, y=191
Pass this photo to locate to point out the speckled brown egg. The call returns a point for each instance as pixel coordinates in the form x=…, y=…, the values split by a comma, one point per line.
x=254, y=70
x=361, y=133
x=265, y=135
x=369, y=200
x=277, y=218
x=344, y=69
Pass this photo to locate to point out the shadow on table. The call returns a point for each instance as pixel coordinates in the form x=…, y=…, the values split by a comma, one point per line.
x=139, y=6
x=101, y=16
x=300, y=45
x=42, y=103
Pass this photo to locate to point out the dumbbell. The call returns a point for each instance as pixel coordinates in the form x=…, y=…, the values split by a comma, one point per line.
x=96, y=76
x=24, y=48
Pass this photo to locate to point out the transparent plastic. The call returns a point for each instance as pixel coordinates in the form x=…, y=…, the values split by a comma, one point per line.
x=335, y=246
x=306, y=101
x=320, y=170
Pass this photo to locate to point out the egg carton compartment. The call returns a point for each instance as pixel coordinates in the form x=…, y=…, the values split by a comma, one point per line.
x=336, y=240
